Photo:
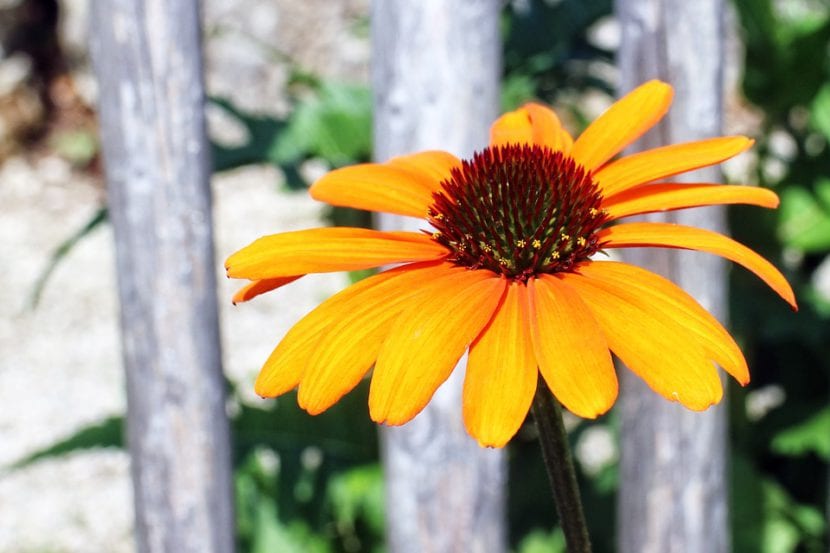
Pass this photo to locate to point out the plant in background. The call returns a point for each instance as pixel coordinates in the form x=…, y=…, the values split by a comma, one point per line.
x=508, y=271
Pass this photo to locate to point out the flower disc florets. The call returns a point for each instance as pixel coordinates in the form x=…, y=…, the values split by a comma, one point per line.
x=518, y=210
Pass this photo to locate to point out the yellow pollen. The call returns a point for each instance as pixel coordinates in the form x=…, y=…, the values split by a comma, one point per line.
x=436, y=235
x=565, y=236
x=593, y=212
x=439, y=217
x=521, y=243
x=537, y=244
x=581, y=241
x=555, y=255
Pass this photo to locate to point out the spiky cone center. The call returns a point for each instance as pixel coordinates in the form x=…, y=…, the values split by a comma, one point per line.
x=518, y=210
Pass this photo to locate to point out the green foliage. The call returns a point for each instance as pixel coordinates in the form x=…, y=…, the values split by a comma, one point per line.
x=809, y=436
x=766, y=519
x=63, y=249
x=107, y=433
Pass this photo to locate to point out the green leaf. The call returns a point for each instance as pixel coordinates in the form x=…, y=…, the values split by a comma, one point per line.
x=107, y=433
x=805, y=223
x=358, y=493
x=539, y=541
x=334, y=124
x=765, y=518
x=820, y=111
x=100, y=216
x=809, y=436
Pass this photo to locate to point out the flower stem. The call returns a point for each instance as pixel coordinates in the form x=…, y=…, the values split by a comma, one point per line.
x=559, y=464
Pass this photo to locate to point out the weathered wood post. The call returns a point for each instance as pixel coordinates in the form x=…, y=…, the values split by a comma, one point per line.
x=436, y=69
x=673, y=481
x=147, y=59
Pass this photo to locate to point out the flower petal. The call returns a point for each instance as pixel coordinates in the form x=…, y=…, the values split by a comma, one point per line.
x=669, y=235
x=658, y=163
x=501, y=373
x=651, y=344
x=286, y=364
x=669, y=196
x=350, y=345
x=257, y=287
x=623, y=123
x=571, y=348
x=531, y=124
x=665, y=296
x=432, y=166
x=427, y=340
x=324, y=250
x=404, y=185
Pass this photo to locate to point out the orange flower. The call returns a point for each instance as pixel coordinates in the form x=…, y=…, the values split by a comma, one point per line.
x=508, y=271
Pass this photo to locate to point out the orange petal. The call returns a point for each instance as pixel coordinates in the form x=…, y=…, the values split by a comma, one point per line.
x=666, y=197
x=351, y=344
x=665, y=296
x=623, y=123
x=432, y=166
x=531, y=124
x=404, y=185
x=285, y=366
x=668, y=235
x=651, y=344
x=501, y=373
x=257, y=287
x=427, y=340
x=324, y=250
x=571, y=348
x=659, y=163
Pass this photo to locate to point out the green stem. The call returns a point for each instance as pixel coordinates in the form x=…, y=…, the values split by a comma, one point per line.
x=559, y=464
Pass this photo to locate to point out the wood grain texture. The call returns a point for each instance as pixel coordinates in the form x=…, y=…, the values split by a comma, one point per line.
x=436, y=68
x=673, y=487
x=146, y=56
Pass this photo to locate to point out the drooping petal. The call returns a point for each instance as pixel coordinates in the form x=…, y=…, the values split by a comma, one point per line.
x=668, y=196
x=350, y=345
x=623, y=123
x=257, y=287
x=665, y=296
x=427, y=340
x=651, y=344
x=570, y=348
x=531, y=124
x=286, y=364
x=404, y=185
x=323, y=250
x=501, y=373
x=659, y=163
x=669, y=235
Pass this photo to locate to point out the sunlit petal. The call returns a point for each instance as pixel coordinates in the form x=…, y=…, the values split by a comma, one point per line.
x=623, y=123
x=427, y=340
x=667, y=297
x=668, y=235
x=571, y=348
x=659, y=163
x=651, y=344
x=324, y=250
x=666, y=197
x=501, y=373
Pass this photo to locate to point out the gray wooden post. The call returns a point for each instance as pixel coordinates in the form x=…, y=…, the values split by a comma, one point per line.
x=436, y=69
x=146, y=55
x=673, y=487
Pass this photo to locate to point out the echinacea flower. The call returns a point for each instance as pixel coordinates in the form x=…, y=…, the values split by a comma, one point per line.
x=506, y=268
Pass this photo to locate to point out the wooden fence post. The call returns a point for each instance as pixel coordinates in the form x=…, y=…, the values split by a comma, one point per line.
x=147, y=59
x=673, y=478
x=436, y=71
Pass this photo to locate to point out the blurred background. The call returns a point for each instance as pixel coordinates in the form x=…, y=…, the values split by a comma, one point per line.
x=289, y=99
